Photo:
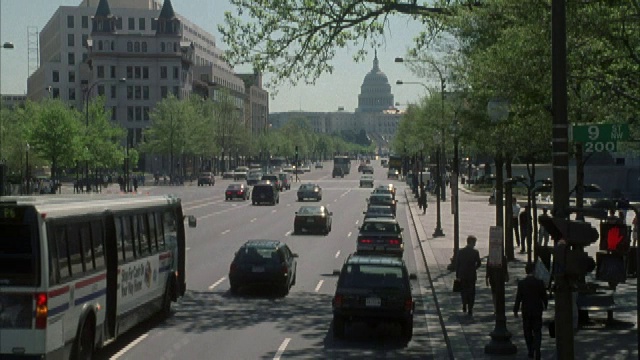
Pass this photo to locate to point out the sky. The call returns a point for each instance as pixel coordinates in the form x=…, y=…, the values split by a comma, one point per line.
x=331, y=91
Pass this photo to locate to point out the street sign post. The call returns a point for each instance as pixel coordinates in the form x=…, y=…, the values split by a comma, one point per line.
x=600, y=137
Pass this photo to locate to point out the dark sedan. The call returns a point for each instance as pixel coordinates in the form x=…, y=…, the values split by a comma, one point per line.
x=382, y=199
x=382, y=211
x=309, y=191
x=384, y=189
x=313, y=219
x=237, y=191
x=263, y=262
x=380, y=236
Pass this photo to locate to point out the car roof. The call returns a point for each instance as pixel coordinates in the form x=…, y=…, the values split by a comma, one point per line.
x=263, y=243
x=374, y=260
x=381, y=220
x=385, y=195
x=235, y=185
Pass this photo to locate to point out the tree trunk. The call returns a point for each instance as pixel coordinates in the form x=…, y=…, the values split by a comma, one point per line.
x=508, y=209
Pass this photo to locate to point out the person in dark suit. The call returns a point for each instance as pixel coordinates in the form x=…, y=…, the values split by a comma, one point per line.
x=467, y=265
x=533, y=296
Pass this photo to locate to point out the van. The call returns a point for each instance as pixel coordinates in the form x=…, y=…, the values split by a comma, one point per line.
x=274, y=179
x=265, y=192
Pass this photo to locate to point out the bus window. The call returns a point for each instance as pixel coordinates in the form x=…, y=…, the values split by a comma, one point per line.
x=153, y=239
x=54, y=275
x=160, y=227
x=18, y=257
x=129, y=248
x=87, y=248
x=98, y=244
x=119, y=238
x=170, y=231
x=74, y=247
x=63, y=255
x=143, y=235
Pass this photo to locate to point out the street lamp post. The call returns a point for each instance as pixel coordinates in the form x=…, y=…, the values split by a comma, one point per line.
x=455, y=200
x=26, y=170
x=438, y=230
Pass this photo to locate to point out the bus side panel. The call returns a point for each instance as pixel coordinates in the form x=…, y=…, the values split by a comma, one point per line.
x=182, y=280
x=111, y=252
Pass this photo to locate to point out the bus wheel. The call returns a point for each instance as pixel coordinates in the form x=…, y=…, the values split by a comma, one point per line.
x=84, y=345
x=166, y=300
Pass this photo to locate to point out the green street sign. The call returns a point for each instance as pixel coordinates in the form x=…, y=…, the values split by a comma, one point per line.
x=600, y=137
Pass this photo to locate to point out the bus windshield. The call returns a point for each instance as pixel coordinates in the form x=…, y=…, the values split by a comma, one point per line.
x=18, y=255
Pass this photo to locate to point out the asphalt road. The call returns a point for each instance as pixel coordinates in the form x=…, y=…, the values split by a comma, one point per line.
x=209, y=323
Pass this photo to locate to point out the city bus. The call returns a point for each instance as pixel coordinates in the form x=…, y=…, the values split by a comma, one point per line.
x=343, y=162
x=78, y=271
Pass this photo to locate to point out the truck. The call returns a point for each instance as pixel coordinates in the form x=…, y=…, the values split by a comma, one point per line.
x=395, y=162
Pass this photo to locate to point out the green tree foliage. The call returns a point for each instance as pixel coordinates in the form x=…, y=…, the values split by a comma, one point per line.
x=103, y=138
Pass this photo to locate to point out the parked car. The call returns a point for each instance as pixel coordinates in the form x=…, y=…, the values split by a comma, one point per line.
x=265, y=192
x=206, y=178
x=237, y=191
x=263, y=262
x=286, y=180
x=313, y=219
x=366, y=181
x=373, y=289
x=309, y=191
x=380, y=236
x=381, y=211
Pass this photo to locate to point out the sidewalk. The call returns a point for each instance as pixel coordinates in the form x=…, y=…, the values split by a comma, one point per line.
x=467, y=334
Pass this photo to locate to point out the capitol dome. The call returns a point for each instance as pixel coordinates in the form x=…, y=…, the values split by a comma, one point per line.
x=375, y=91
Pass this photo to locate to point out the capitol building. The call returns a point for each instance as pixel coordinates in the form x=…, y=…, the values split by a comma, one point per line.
x=375, y=114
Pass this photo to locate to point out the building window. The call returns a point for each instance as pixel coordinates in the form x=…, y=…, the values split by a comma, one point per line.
x=85, y=22
x=144, y=46
x=129, y=92
x=145, y=93
x=129, y=46
x=70, y=21
x=145, y=72
x=154, y=24
x=72, y=93
x=71, y=40
x=175, y=47
x=119, y=23
x=145, y=113
x=138, y=91
x=138, y=113
x=55, y=76
x=141, y=24
x=71, y=58
x=113, y=72
x=162, y=47
x=136, y=47
x=100, y=90
x=72, y=76
x=85, y=56
x=85, y=37
x=138, y=72
x=129, y=72
x=114, y=91
x=100, y=45
x=163, y=72
x=132, y=24
x=176, y=72
x=113, y=45
x=129, y=113
x=55, y=93
x=176, y=91
x=163, y=91
x=100, y=72
x=113, y=113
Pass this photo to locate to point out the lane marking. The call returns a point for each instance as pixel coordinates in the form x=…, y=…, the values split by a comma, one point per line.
x=319, y=285
x=337, y=254
x=336, y=200
x=254, y=219
x=225, y=232
x=281, y=349
x=129, y=347
x=357, y=221
x=188, y=248
x=217, y=283
x=349, y=234
x=273, y=211
x=288, y=233
x=288, y=204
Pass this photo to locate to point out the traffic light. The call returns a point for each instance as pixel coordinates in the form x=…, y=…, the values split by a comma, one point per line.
x=573, y=232
x=614, y=237
x=578, y=262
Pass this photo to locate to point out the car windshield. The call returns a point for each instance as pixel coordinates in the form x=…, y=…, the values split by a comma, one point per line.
x=381, y=210
x=366, y=177
x=365, y=276
x=380, y=200
x=307, y=187
x=253, y=255
x=234, y=187
x=310, y=210
x=381, y=227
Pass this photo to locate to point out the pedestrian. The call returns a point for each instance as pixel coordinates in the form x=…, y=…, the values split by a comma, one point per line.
x=491, y=279
x=121, y=183
x=533, y=296
x=135, y=184
x=515, y=211
x=467, y=266
x=543, y=234
x=635, y=230
x=422, y=200
x=525, y=229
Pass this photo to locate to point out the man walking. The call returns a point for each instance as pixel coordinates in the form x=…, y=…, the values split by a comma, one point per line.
x=533, y=296
x=466, y=271
x=422, y=200
x=515, y=211
x=525, y=230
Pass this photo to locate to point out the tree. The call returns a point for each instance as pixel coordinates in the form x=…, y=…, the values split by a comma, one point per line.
x=103, y=138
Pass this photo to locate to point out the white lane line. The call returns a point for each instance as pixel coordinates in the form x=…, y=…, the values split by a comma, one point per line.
x=336, y=200
x=349, y=234
x=319, y=285
x=188, y=248
x=225, y=232
x=217, y=283
x=288, y=233
x=337, y=254
x=281, y=349
x=288, y=204
x=273, y=211
x=254, y=219
x=129, y=347
x=357, y=221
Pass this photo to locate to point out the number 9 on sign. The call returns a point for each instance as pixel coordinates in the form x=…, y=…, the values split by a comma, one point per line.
x=594, y=132
x=600, y=146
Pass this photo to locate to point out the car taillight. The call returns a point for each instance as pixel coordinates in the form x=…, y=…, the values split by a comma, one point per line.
x=228, y=192
x=240, y=191
x=408, y=304
x=233, y=268
x=284, y=269
x=41, y=310
x=394, y=242
x=366, y=241
x=338, y=301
